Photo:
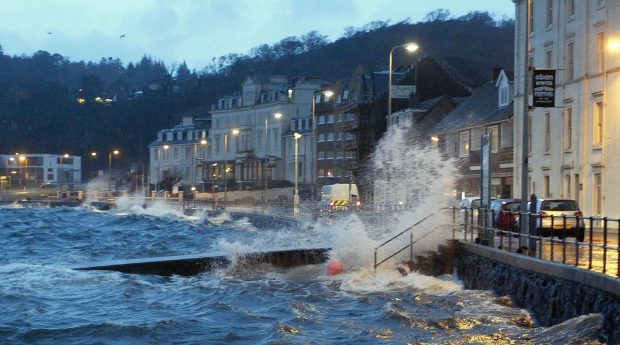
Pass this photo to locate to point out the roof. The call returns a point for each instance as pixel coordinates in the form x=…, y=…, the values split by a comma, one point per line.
x=469, y=72
x=479, y=108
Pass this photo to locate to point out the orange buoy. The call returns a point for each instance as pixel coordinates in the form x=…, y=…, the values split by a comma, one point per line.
x=334, y=267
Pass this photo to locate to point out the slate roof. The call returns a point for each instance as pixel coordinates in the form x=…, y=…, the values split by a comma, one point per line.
x=477, y=109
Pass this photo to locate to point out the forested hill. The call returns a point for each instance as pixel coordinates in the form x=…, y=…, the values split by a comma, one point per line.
x=49, y=104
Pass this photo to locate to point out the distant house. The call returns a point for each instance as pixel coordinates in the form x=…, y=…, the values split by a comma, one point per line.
x=177, y=153
x=35, y=170
x=488, y=110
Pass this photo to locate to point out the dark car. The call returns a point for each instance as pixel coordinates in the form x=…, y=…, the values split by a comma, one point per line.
x=505, y=213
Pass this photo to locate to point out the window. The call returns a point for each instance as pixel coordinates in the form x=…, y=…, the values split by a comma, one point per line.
x=321, y=119
x=547, y=132
x=330, y=155
x=330, y=118
x=570, y=9
x=339, y=138
x=548, y=57
x=567, y=189
x=321, y=172
x=503, y=95
x=600, y=51
x=570, y=61
x=321, y=137
x=330, y=136
x=598, y=124
x=493, y=138
x=464, y=144
x=597, y=194
x=549, y=13
x=568, y=129
x=546, y=186
x=321, y=154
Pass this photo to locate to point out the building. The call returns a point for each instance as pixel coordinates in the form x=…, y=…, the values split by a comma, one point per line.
x=177, y=154
x=248, y=128
x=489, y=110
x=36, y=170
x=571, y=145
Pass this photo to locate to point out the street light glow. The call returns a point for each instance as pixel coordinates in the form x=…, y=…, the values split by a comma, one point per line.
x=203, y=142
x=115, y=152
x=328, y=93
x=297, y=136
x=411, y=47
x=166, y=147
x=66, y=155
x=235, y=131
x=94, y=154
x=277, y=115
x=613, y=45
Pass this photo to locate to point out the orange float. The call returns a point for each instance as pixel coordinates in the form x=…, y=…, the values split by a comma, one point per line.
x=335, y=267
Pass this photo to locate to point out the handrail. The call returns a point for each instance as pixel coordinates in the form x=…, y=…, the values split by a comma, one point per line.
x=410, y=245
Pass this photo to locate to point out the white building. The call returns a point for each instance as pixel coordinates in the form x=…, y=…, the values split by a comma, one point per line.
x=248, y=129
x=177, y=154
x=35, y=170
x=574, y=147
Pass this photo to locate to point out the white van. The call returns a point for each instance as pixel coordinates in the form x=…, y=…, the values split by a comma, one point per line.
x=340, y=194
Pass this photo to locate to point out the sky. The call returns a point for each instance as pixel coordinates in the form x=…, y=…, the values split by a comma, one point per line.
x=195, y=31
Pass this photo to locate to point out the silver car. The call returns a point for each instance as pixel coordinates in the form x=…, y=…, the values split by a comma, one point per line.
x=559, y=217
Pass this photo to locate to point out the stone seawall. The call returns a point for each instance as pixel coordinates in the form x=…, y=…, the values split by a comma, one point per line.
x=552, y=292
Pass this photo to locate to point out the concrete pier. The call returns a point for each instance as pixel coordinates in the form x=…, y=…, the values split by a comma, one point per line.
x=188, y=265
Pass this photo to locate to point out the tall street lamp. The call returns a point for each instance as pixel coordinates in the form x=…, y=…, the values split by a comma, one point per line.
x=296, y=195
x=93, y=155
x=199, y=160
x=276, y=116
x=115, y=153
x=410, y=47
x=233, y=132
x=327, y=93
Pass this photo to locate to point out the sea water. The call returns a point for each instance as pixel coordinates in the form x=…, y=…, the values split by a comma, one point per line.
x=44, y=301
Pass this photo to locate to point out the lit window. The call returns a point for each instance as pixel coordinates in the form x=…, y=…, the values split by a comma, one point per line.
x=464, y=144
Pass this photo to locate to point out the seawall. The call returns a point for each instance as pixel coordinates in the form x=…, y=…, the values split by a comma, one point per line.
x=553, y=292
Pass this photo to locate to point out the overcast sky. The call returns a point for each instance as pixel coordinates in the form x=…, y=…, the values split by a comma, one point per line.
x=196, y=30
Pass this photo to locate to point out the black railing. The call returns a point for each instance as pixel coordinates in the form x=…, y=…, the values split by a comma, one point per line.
x=591, y=243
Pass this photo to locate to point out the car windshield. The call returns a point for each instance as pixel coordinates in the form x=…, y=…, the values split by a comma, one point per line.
x=512, y=206
x=559, y=205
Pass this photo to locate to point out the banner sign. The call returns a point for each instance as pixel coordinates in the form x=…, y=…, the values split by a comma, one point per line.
x=543, y=88
x=403, y=91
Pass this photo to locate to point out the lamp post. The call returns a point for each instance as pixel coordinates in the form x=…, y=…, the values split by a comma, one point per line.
x=93, y=155
x=234, y=132
x=24, y=162
x=203, y=144
x=276, y=116
x=410, y=47
x=296, y=195
x=327, y=93
x=115, y=153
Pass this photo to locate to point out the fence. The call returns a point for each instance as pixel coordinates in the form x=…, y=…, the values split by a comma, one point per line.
x=586, y=242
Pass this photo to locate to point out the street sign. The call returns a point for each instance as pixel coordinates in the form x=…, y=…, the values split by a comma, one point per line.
x=543, y=88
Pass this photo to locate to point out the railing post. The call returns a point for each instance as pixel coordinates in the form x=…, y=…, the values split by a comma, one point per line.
x=375, y=259
x=604, y=245
x=591, y=244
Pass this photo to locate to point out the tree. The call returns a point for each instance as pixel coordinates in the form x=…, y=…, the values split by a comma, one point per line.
x=438, y=15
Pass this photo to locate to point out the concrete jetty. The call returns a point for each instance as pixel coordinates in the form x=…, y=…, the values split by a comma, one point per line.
x=189, y=265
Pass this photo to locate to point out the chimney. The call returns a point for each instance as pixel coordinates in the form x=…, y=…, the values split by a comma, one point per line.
x=496, y=71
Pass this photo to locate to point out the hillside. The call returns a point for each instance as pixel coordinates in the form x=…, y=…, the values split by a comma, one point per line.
x=39, y=111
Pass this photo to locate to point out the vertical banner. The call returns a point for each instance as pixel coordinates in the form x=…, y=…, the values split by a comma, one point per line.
x=543, y=88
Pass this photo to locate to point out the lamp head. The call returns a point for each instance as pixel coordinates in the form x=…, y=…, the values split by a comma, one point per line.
x=297, y=136
x=277, y=115
x=411, y=47
x=235, y=131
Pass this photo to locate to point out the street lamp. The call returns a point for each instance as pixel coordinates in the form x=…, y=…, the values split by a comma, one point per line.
x=327, y=93
x=410, y=47
x=276, y=116
x=115, y=153
x=24, y=163
x=296, y=195
x=203, y=143
x=234, y=132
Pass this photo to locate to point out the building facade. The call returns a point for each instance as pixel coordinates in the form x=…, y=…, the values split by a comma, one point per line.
x=572, y=146
x=247, y=138
x=489, y=110
x=36, y=170
x=177, y=155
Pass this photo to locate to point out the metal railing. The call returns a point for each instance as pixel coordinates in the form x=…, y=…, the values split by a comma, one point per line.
x=591, y=243
x=409, y=245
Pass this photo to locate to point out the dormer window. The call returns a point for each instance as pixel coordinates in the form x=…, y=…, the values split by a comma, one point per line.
x=503, y=95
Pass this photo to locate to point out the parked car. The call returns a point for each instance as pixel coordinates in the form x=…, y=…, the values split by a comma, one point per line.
x=505, y=213
x=558, y=217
